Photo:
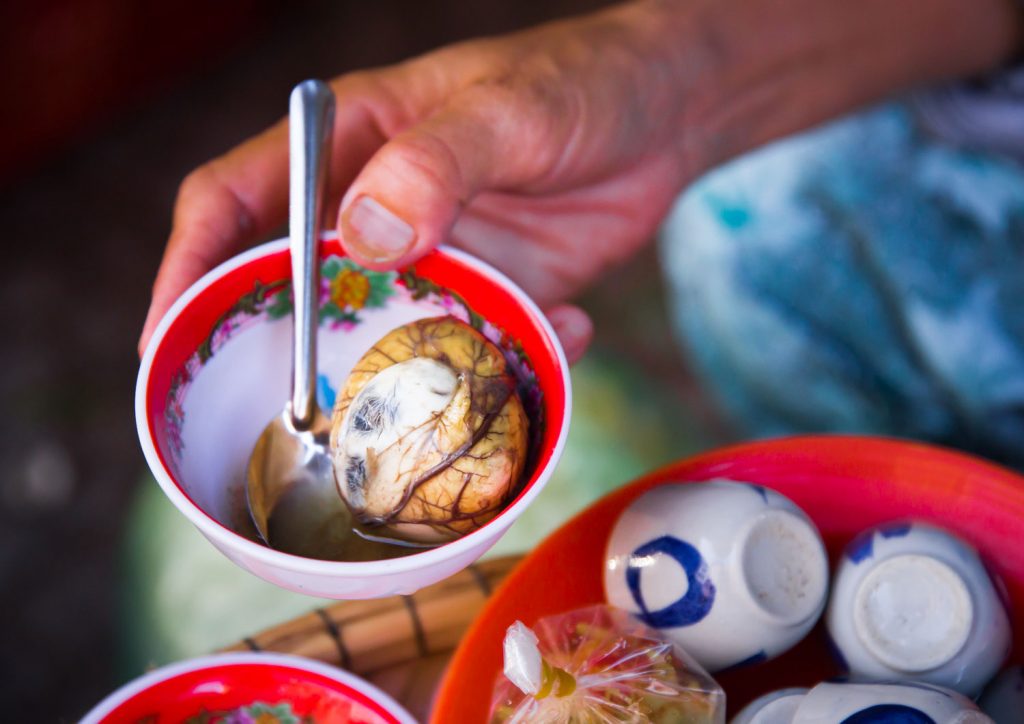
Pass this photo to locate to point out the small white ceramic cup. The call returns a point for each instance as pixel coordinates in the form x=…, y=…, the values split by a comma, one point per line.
x=913, y=602
x=734, y=573
x=1003, y=699
x=775, y=707
x=906, y=703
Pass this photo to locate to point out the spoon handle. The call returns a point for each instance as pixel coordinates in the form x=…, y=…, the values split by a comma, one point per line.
x=310, y=122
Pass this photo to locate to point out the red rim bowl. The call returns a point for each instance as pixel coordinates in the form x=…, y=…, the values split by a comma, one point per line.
x=844, y=483
x=489, y=293
x=225, y=682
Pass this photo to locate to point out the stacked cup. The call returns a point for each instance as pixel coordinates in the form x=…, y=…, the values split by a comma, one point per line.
x=736, y=573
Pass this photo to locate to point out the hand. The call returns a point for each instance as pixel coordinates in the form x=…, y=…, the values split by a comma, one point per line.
x=549, y=153
x=554, y=153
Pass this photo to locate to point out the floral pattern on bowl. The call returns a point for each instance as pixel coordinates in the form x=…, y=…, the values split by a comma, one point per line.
x=345, y=290
x=256, y=713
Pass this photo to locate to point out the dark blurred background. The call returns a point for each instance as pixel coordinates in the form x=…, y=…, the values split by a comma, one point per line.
x=107, y=105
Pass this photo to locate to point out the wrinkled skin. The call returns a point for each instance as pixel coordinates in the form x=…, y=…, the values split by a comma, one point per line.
x=428, y=436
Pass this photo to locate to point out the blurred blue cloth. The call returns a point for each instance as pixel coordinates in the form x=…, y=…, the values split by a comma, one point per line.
x=859, y=277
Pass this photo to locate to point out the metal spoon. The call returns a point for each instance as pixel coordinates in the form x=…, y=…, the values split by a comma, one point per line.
x=291, y=492
x=293, y=501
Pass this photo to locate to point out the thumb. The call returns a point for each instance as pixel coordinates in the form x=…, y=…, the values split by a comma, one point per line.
x=408, y=196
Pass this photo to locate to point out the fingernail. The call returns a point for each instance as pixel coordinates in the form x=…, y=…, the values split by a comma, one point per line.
x=574, y=329
x=375, y=233
x=573, y=323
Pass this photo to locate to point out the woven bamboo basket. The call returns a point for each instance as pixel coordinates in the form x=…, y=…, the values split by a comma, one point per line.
x=400, y=644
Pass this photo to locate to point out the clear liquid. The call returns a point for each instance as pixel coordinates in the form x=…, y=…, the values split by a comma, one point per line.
x=323, y=527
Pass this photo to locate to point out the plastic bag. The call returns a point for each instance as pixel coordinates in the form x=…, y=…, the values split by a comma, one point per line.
x=599, y=665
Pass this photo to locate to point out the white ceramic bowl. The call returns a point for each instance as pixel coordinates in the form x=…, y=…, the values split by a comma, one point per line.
x=300, y=687
x=734, y=573
x=912, y=602
x=775, y=707
x=906, y=703
x=218, y=369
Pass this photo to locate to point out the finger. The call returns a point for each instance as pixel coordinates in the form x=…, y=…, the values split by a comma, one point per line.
x=229, y=203
x=221, y=206
x=407, y=198
x=574, y=328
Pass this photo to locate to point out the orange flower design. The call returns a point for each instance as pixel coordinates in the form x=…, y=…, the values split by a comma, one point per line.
x=350, y=288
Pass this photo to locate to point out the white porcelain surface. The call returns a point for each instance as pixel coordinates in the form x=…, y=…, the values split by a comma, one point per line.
x=132, y=688
x=775, y=707
x=233, y=394
x=903, y=703
x=912, y=602
x=734, y=573
x=1003, y=699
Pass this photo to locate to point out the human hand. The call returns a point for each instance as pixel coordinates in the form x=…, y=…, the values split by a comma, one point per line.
x=555, y=152
x=549, y=154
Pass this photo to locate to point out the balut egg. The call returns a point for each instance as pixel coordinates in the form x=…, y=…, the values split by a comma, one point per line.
x=429, y=436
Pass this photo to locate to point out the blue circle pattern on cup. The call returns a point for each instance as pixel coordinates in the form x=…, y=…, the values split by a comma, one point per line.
x=694, y=605
x=889, y=714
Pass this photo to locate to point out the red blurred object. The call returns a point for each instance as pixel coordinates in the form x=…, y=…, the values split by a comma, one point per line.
x=70, y=64
x=844, y=483
x=220, y=688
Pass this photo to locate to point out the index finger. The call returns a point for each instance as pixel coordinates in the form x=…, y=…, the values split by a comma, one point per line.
x=230, y=202
x=221, y=207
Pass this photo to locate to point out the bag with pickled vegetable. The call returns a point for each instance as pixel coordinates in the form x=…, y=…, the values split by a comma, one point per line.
x=599, y=665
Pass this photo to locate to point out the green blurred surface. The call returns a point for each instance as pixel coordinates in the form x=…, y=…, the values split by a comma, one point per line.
x=183, y=598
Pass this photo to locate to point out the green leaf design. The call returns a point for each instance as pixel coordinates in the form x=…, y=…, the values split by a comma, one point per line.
x=333, y=311
x=330, y=310
x=520, y=354
x=421, y=287
x=282, y=712
x=382, y=286
x=203, y=717
x=281, y=305
x=418, y=286
x=331, y=267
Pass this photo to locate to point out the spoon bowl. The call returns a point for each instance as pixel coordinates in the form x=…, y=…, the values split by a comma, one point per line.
x=291, y=493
